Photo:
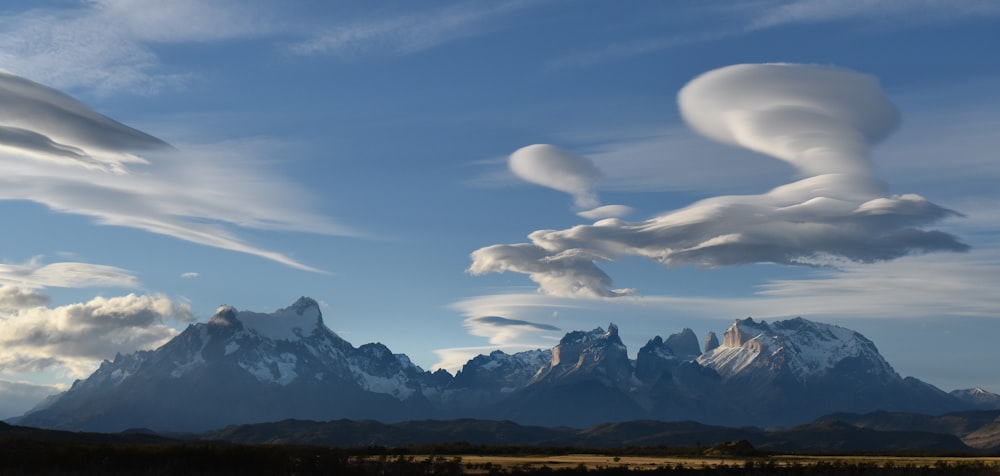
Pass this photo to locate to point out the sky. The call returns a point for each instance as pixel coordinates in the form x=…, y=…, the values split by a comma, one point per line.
x=451, y=178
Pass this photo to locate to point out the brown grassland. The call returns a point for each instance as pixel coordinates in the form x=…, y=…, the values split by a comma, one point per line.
x=481, y=464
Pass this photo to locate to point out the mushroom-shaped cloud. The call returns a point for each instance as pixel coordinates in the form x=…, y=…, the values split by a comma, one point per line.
x=552, y=167
x=821, y=120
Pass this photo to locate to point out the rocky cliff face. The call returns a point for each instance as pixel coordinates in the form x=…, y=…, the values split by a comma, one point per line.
x=711, y=341
x=597, y=354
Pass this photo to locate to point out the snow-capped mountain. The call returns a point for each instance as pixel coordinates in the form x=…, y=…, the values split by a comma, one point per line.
x=798, y=348
x=978, y=398
x=243, y=367
x=488, y=379
x=796, y=370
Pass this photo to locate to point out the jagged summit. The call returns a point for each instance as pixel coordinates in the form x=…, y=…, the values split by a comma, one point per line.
x=684, y=344
x=305, y=304
x=711, y=341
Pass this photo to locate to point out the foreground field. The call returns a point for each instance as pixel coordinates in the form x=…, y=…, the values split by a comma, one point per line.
x=28, y=456
x=484, y=464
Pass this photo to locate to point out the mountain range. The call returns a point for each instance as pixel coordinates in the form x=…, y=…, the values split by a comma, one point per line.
x=245, y=367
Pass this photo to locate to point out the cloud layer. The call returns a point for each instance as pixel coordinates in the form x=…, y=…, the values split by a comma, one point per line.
x=35, y=275
x=821, y=120
x=58, y=152
x=34, y=337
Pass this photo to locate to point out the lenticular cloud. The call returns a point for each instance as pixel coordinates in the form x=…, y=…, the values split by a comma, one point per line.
x=550, y=166
x=819, y=119
x=56, y=151
x=822, y=121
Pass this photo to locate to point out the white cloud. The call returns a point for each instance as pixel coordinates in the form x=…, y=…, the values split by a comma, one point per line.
x=917, y=289
x=75, y=337
x=103, y=44
x=821, y=120
x=13, y=297
x=552, y=167
x=606, y=211
x=189, y=275
x=35, y=275
x=80, y=162
x=504, y=330
x=410, y=32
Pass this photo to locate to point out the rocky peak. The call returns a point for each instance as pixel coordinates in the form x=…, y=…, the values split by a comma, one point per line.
x=225, y=315
x=711, y=341
x=574, y=345
x=684, y=344
x=743, y=331
x=598, y=353
x=304, y=304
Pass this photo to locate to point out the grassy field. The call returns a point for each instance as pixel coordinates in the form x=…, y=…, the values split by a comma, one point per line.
x=481, y=464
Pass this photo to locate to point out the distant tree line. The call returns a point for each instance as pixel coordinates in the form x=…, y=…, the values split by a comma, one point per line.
x=38, y=457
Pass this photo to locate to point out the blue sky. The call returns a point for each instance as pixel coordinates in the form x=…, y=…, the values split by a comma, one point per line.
x=360, y=153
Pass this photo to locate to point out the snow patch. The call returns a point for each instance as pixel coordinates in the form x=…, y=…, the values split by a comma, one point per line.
x=394, y=385
x=232, y=347
x=280, y=370
x=285, y=324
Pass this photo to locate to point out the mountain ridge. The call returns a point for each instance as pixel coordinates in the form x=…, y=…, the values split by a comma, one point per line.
x=245, y=367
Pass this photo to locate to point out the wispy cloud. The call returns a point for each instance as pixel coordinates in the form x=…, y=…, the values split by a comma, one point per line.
x=411, y=32
x=899, y=14
x=104, y=45
x=78, y=161
x=503, y=330
x=719, y=22
x=36, y=275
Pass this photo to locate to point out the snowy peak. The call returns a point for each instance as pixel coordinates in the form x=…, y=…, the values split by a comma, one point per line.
x=798, y=346
x=501, y=372
x=978, y=397
x=292, y=323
